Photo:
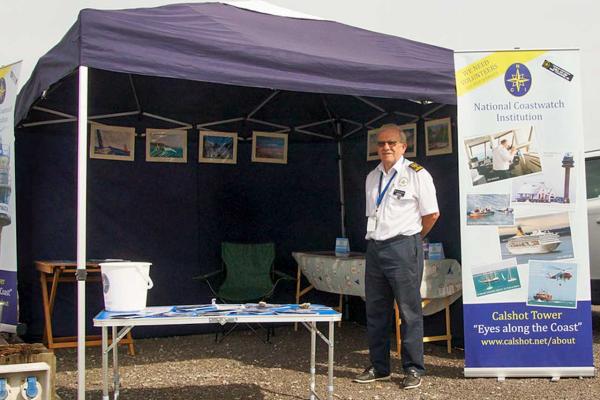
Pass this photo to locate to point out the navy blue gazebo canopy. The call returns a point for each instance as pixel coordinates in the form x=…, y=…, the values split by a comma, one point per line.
x=219, y=43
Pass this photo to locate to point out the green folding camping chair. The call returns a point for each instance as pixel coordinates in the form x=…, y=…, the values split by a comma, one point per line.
x=249, y=276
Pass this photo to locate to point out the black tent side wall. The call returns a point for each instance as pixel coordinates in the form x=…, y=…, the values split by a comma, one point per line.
x=173, y=215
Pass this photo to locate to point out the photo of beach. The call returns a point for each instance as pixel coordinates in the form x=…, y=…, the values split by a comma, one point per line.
x=496, y=277
x=489, y=209
x=269, y=147
x=552, y=284
x=539, y=237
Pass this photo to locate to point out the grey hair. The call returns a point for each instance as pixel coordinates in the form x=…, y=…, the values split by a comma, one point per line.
x=395, y=127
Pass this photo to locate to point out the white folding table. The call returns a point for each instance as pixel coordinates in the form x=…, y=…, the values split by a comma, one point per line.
x=122, y=323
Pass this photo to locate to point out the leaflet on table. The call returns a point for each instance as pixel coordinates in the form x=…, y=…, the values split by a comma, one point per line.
x=218, y=310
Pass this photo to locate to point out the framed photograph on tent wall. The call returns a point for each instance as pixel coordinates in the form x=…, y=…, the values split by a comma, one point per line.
x=269, y=147
x=218, y=147
x=438, y=137
x=410, y=131
x=372, y=145
x=112, y=142
x=166, y=145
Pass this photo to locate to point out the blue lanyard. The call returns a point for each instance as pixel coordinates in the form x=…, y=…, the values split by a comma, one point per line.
x=381, y=194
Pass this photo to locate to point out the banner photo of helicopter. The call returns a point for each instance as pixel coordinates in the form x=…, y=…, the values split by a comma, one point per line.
x=540, y=237
x=552, y=284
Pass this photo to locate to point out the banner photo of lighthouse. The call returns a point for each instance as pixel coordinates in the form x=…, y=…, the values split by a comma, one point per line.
x=554, y=187
x=526, y=285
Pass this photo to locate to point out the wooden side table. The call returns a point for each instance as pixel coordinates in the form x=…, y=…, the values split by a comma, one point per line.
x=55, y=271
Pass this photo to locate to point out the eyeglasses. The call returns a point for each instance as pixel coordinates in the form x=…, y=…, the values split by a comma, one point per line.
x=390, y=143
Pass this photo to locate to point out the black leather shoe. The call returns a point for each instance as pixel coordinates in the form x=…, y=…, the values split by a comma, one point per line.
x=411, y=380
x=370, y=375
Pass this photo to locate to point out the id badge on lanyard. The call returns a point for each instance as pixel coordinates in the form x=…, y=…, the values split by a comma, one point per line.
x=372, y=220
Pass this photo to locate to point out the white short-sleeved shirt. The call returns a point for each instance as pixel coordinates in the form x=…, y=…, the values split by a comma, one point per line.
x=410, y=196
x=501, y=158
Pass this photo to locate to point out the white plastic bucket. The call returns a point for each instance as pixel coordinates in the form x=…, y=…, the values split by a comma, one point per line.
x=125, y=285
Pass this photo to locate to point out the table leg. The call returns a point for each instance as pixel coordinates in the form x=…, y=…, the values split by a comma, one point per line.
x=104, y=363
x=313, y=350
x=298, y=278
x=116, y=377
x=341, y=308
x=47, y=316
x=330, y=362
x=448, y=326
x=53, y=289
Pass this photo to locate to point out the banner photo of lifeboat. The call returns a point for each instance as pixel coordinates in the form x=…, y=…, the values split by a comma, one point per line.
x=552, y=284
x=541, y=237
x=489, y=209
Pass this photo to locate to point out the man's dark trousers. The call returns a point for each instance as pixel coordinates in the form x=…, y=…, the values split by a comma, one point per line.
x=394, y=271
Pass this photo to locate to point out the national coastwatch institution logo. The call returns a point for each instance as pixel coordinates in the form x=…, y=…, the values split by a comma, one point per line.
x=517, y=79
x=2, y=90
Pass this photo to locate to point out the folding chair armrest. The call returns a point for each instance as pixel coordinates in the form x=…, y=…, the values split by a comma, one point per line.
x=206, y=277
x=283, y=276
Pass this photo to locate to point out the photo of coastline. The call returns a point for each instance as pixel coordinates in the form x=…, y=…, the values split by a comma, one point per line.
x=217, y=147
x=555, y=186
x=539, y=237
x=552, y=284
x=496, y=277
x=489, y=209
x=269, y=147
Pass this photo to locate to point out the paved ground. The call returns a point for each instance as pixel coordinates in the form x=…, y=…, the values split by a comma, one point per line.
x=242, y=367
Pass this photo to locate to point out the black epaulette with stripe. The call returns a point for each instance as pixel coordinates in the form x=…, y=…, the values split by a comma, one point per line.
x=415, y=167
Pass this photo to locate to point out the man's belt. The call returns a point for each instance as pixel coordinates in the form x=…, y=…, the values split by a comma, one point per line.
x=396, y=238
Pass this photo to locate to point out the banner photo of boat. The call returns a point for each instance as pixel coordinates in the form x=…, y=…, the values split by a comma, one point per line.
x=540, y=237
x=497, y=277
x=554, y=187
x=489, y=209
x=552, y=284
x=503, y=155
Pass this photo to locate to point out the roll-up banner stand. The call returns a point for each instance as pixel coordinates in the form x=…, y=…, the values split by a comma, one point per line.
x=525, y=255
x=9, y=76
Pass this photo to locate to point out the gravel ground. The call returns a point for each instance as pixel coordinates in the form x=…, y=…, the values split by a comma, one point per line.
x=242, y=367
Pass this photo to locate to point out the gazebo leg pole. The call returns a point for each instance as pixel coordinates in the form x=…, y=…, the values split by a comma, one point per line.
x=81, y=226
x=338, y=128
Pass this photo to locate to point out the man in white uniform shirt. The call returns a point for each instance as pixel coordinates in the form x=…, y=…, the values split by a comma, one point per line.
x=502, y=158
x=401, y=209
